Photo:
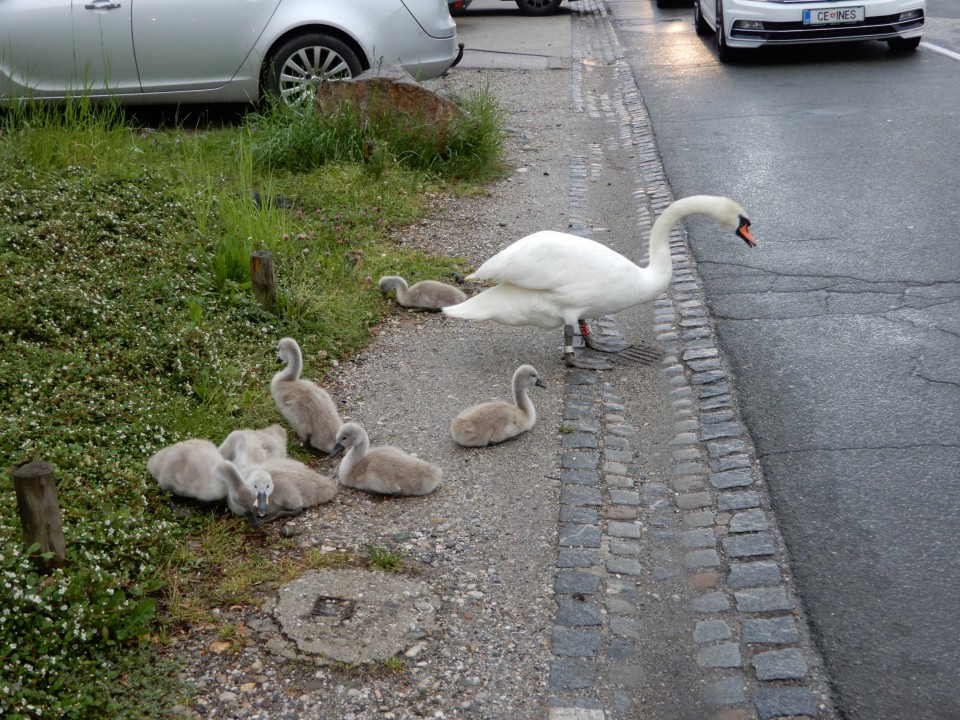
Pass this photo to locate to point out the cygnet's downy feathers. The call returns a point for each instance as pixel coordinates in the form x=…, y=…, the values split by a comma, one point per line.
x=249, y=447
x=286, y=485
x=187, y=469
x=240, y=498
x=425, y=295
x=385, y=470
x=494, y=422
x=307, y=407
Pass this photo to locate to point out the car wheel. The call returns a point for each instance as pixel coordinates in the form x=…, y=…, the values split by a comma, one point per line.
x=724, y=52
x=903, y=44
x=300, y=64
x=699, y=23
x=538, y=7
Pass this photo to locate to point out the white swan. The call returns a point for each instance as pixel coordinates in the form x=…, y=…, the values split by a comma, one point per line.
x=385, y=470
x=426, y=294
x=549, y=278
x=288, y=486
x=494, y=422
x=187, y=468
x=306, y=406
x=249, y=447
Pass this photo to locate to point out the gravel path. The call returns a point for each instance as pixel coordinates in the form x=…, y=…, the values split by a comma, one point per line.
x=589, y=569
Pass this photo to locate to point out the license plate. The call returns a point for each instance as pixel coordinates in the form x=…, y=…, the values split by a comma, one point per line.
x=834, y=16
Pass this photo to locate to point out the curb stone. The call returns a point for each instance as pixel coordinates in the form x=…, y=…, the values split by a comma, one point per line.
x=757, y=658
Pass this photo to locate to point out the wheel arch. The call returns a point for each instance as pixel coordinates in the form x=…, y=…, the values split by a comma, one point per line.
x=331, y=30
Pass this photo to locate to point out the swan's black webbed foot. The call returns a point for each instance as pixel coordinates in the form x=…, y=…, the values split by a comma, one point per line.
x=610, y=344
x=586, y=363
x=607, y=345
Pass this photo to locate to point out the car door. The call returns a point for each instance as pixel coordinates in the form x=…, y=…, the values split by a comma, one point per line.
x=49, y=48
x=187, y=45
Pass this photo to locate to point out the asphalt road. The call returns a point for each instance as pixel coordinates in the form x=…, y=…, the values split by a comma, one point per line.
x=844, y=328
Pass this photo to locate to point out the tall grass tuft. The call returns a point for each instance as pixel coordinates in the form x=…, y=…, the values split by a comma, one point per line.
x=298, y=139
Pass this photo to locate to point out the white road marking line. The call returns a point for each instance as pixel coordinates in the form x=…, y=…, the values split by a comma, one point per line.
x=941, y=50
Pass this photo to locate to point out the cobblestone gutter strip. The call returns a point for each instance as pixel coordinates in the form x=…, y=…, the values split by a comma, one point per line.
x=748, y=626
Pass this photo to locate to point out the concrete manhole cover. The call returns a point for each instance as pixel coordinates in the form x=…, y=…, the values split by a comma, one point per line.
x=354, y=616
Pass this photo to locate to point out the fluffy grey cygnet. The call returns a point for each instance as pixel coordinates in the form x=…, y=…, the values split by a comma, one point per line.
x=494, y=422
x=425, y=295
x=187, y=468
x=386, y=470
x=249, y=447
x=285, y=485
x=307, y=407
x=240, y=498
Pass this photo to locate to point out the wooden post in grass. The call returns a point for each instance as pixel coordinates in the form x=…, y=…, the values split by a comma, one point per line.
x=262, y=280
x=40, y=512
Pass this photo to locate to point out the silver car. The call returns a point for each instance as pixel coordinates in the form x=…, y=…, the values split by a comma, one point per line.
x=180, y=51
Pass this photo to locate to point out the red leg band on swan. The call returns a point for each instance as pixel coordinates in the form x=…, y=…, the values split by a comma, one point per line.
x=584, y=329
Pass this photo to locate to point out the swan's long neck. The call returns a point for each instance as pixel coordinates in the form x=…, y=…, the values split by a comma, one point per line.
x=294, y=366
x=355, y=454
x=675, y=212
x=522, y=398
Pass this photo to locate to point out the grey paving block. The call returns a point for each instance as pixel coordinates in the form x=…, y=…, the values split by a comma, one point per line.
x=711, y=631
x=699, y=559
x=784, y=701
x=738, y=546
x=580, y=477
x=788, y=664
x=749, y=521
x=570, y=582
x=572, y=673
x=579, y=460
x=579, y=535
x=762, y=599
x=738, y=500
x=771, y=631
x=577, y=613
x=710, y=602
x=742, y=477
x=753, y=574
x=725, y=655
x=576, y=642
x=728, y=691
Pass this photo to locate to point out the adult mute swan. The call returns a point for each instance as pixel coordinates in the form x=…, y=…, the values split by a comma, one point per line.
x=306, y=406
x=425, y=295
x=550, y=278
x=494, y=422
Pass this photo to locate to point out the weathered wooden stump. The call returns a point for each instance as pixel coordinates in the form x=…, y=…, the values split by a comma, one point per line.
x=262, y=279
x=40, y=513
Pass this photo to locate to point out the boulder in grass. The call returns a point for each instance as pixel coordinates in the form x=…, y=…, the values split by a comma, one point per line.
x=390, y=95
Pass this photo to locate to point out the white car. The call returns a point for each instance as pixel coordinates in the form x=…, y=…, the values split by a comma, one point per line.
x=192, y=51
x=754, y=23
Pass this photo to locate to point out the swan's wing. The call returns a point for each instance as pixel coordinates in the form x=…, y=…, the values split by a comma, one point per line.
x=548, y=260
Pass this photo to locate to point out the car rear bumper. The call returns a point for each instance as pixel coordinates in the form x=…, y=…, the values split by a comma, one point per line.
x=781, y=23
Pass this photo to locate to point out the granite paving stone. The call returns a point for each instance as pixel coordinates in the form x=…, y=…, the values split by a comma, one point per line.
x=771, y=631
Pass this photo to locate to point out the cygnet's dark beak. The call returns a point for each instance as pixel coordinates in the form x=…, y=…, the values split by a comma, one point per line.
x=540, y=383
x=744, y=232
x=337, y=449
x=252, y=519
x=261, y=503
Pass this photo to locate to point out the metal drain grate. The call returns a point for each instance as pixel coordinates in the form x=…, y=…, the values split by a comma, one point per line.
x=638, y=355
x=327, y=606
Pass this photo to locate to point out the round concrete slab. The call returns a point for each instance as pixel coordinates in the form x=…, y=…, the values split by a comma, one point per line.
x=354, y=616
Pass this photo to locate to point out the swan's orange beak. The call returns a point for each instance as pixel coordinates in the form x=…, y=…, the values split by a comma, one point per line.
x=744, y=232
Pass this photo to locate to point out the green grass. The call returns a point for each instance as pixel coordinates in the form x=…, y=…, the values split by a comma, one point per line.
x=127, y=323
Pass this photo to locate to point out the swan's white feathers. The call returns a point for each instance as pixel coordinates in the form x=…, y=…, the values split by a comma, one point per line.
x=550, y=278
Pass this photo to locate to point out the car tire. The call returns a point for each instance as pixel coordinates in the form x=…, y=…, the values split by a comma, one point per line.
x=699, y=23
x=303, y=62
x=724, y=52
x=538, y=7
x=899, y=44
